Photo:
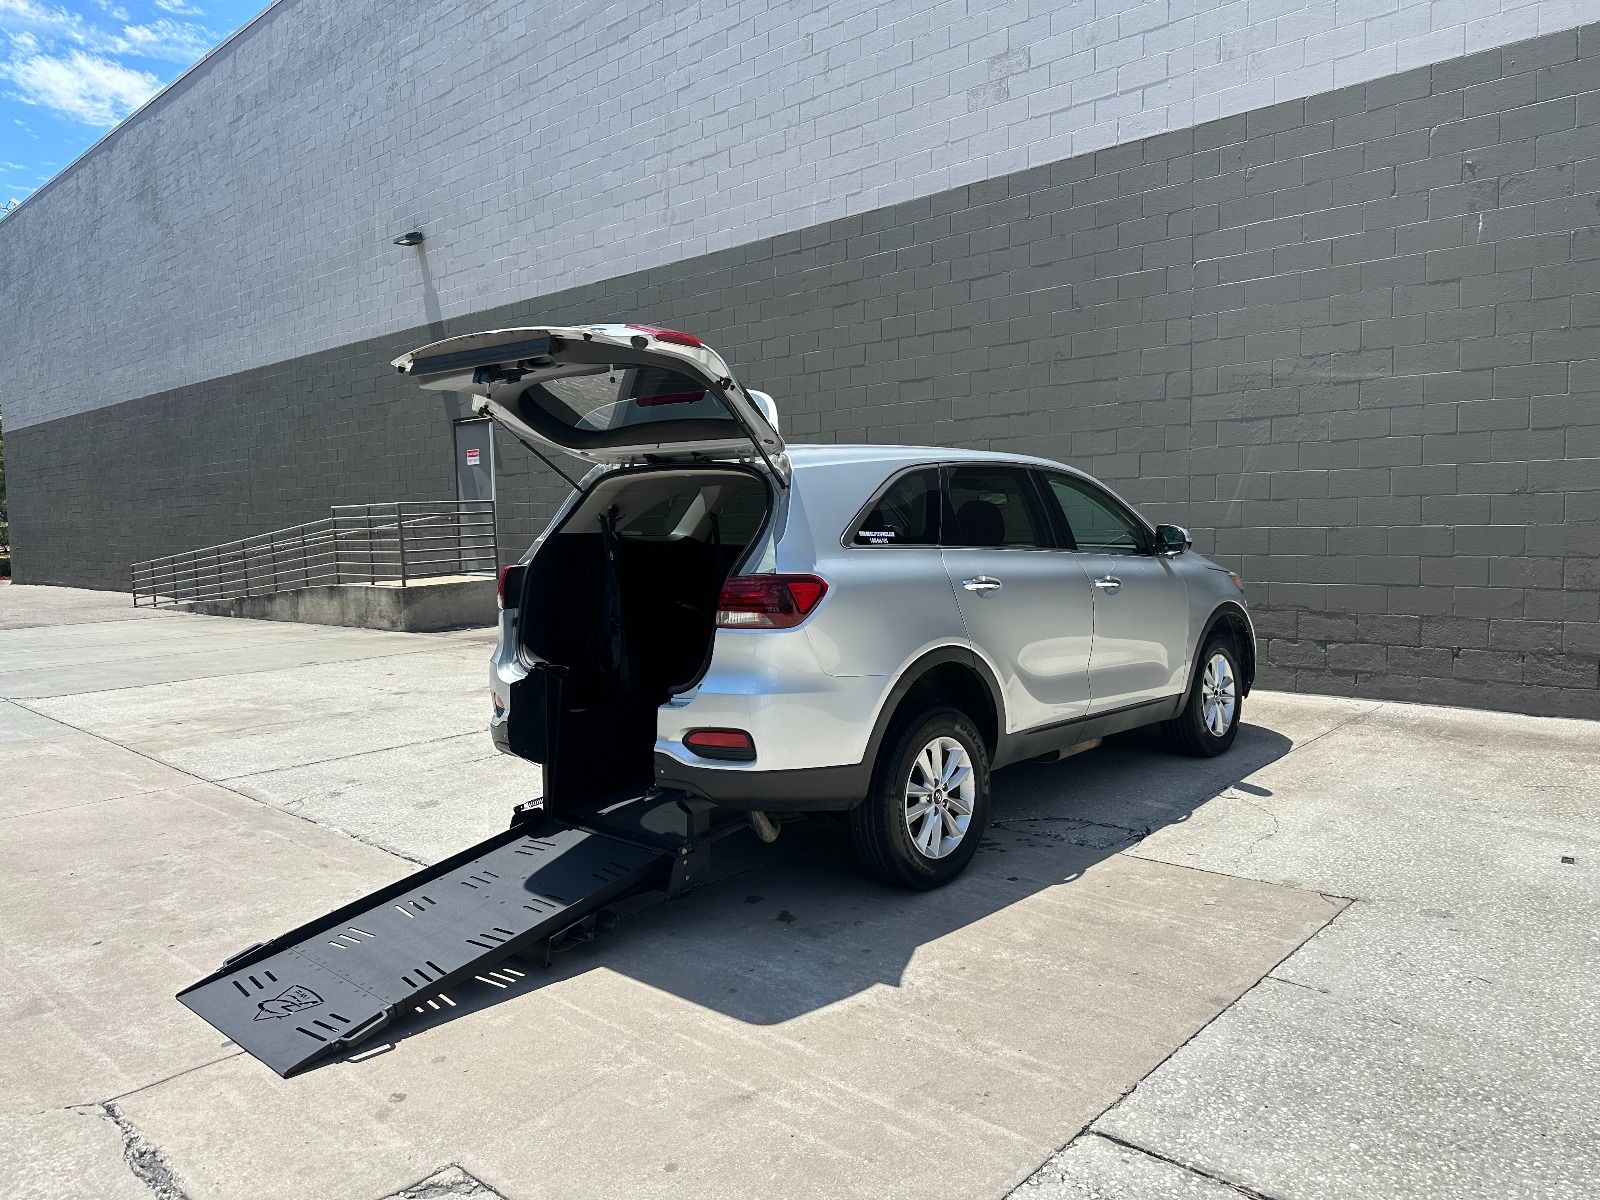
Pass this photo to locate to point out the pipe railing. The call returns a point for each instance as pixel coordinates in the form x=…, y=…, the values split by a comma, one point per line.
x=392, y=543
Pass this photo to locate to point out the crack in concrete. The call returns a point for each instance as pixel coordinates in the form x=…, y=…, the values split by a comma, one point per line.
x=1010, y=821
x=444, y=1184
x=1239, y=1188
x=1296, y=983
x=1233, y=793
x=149, y=1166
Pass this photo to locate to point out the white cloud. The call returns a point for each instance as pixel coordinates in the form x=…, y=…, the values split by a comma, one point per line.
x=86, y=87
x=62, y=60
x=32, y=16
x=177, y=41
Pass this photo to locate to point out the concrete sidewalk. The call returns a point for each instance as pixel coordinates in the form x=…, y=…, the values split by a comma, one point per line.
x=1346, y=959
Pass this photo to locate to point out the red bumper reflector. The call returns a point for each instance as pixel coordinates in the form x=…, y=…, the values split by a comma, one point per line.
x=732, y=744
x=768, y=601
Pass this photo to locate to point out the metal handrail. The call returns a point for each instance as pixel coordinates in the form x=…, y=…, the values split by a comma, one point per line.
x=395, y=542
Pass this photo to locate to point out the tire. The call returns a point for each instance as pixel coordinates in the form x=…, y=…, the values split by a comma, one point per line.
x=1210, y=718
x=881, y=830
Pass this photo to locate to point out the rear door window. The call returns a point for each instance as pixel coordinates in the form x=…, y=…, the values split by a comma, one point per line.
x=906, y=513
x=993, y=508
x=1097, y=522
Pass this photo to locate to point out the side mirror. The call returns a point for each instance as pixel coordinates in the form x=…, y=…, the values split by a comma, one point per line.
x=1172, y=539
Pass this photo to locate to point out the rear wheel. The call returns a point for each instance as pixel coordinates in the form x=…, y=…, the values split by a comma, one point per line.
x=921, y=824
x=1210, y=716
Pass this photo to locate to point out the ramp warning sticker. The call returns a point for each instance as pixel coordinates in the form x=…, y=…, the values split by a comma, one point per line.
x=290, y=1000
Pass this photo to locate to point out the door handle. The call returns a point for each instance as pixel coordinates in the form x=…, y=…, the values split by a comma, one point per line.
x=1108, y=583
x=981, y=583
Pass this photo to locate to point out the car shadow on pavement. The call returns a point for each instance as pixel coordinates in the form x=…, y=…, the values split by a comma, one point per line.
x=785, y=929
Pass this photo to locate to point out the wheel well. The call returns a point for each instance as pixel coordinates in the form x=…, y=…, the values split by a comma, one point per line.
x=1237, y=627
x=961, y=687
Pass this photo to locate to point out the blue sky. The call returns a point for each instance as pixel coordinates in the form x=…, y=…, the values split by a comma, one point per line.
x=71, y=69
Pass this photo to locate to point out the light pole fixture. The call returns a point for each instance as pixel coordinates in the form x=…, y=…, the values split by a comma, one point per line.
x=414, y=238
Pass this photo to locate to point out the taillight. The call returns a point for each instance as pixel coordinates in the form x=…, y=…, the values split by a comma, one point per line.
x=671, y=336
x=768, y=601
x=735, y=745
x=510, y=582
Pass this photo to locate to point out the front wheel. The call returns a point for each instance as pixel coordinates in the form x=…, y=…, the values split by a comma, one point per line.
x=921, y=824
x=1210, y=716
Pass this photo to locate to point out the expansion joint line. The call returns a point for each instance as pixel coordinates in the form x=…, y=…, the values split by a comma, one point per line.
x=1239, y=1188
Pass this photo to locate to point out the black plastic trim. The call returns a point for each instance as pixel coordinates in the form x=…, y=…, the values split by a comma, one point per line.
x=1044, y=739
x=809, y=789
x=486, y=356
x=1234, y=609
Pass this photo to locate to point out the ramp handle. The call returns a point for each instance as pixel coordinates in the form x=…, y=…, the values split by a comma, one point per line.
x=243, y=954
x=363, y=1031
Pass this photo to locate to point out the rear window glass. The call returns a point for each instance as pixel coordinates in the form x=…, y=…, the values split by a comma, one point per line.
x=728, y=511
x=907, y=514
x=993, y=507
x=610, y=398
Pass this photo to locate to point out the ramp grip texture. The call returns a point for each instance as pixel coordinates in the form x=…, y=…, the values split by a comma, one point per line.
x=313, y=992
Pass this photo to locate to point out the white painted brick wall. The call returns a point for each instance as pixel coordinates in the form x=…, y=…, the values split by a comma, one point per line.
x=246, y=216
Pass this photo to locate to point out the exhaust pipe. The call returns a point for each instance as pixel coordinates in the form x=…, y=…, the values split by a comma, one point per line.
x=766, y=828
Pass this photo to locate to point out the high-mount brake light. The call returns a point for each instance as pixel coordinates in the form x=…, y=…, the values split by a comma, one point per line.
x=669, y=398
x=768, y=601
x=671, y=336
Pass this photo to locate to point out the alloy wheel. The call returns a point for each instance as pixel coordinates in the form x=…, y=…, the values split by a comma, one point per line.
x=1219, y=695
x=939, y=795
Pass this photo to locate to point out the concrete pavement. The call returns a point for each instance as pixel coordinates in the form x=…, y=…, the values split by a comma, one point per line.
x=1344, y=960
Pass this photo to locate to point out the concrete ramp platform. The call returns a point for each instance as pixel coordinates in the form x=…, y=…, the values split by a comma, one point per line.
x=421, y=606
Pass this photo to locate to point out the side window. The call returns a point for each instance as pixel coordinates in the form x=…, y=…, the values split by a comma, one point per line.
x=992, y=507
x=1096, y=521
x=907, y=514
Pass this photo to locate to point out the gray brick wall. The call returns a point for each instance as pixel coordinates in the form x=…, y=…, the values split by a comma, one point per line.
x=1352, y=341
x=245, y=217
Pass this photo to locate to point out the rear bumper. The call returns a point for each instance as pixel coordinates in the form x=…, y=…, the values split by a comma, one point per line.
x=805, y=789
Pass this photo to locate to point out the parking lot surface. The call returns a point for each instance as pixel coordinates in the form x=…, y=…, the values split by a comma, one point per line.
x=1357, y=956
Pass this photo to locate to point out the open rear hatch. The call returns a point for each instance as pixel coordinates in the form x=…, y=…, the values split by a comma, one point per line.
x=609, y=393
x=613, y=394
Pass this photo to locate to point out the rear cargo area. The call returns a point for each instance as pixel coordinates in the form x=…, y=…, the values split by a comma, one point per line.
x=621, y=601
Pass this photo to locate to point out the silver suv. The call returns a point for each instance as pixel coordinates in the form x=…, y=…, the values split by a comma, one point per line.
x=867, y=630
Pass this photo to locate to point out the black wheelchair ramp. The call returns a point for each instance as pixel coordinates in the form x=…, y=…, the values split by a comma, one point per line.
x=320, y=989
